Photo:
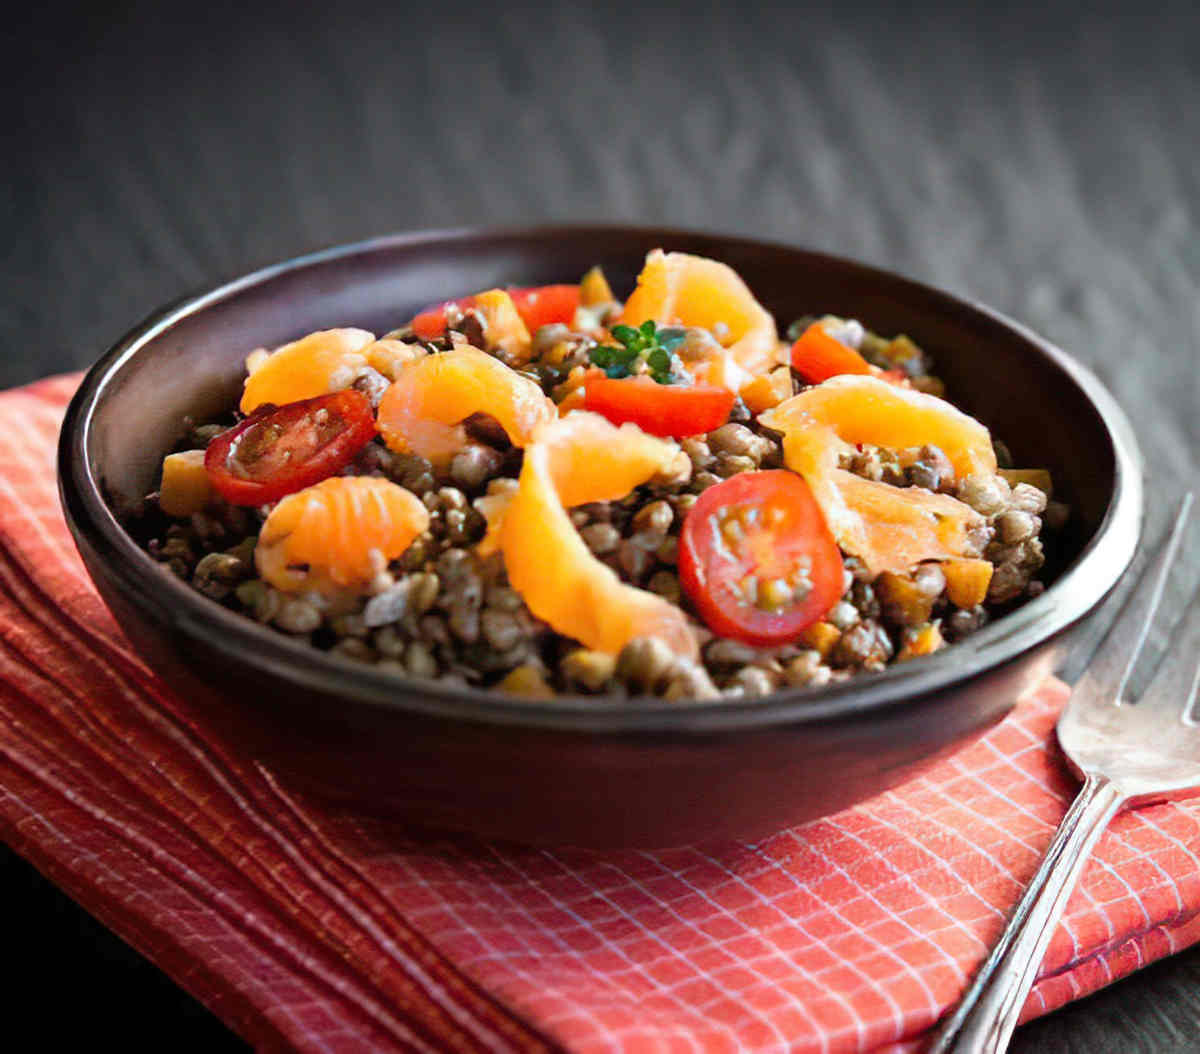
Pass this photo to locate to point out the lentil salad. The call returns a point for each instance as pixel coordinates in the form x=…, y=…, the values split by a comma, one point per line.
x=452, y=416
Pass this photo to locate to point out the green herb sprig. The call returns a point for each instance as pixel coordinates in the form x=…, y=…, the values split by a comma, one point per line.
x=646, y=343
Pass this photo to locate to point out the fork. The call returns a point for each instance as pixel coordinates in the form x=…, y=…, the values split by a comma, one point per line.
x=1127, y=754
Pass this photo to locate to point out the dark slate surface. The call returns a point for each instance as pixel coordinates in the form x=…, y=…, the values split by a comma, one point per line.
x=1040, y=158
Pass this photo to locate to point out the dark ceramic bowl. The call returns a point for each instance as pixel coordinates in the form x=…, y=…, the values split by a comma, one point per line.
x=575, y=770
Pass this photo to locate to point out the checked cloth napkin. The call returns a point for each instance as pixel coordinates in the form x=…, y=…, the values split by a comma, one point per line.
x=306, y=928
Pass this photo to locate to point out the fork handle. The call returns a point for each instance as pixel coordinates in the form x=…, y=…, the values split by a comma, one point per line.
x=984, y=1021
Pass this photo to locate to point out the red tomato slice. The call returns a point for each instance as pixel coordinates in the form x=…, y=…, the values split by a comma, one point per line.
x=659, y=409
x=545, y=304
x=757, y=559
x=817, y=356
x=537, y=305
x=278, y=450
x=431, y=323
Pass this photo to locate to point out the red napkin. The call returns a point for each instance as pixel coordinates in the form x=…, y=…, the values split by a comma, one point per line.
x=309, y=928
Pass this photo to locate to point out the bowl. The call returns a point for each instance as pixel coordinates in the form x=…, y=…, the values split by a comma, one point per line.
x=639, y=772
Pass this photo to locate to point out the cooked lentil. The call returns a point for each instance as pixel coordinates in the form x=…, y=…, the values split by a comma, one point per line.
x=443, y=611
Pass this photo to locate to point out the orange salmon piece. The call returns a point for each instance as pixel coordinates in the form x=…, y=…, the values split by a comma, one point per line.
x=580, y=458
x=678, y=289
x=320, y=363
x=888, y=528
x=423, y=410
x=338, y=534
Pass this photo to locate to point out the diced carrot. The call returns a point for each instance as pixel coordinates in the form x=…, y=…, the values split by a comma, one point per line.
x=185, y=485
x=924, y=640
x=526, y=680
x=821, y=636
x=967, y=581
x=594, y=288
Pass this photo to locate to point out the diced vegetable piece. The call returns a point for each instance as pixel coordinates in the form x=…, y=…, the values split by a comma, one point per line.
x=924, y=640
x=1035, y=477
x=660, y=409
x=903, y=601
x=574, y=460
x=422, y=411
x=323, y=362
x=546, y=304
x=279, y=450
x=757, y=560
x=967, y=581
x=526, y=680
x=185, y=487
x=431, y=323
x=817, y=356
x=679, y=289
x=767, y=390
x=594, y=289
x=888, y=528
x=504, y=330
x=338, y=534
x=821, y=636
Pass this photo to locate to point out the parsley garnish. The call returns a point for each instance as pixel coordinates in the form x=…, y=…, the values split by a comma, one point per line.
x=646, y=343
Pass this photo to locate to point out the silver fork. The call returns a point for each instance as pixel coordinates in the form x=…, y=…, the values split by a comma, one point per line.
x=1127, y=754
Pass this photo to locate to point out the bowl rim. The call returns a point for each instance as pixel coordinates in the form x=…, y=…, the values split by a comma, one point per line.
x=1078, y=590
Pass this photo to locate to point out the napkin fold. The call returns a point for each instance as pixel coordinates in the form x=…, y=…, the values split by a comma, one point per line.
x=309, y=927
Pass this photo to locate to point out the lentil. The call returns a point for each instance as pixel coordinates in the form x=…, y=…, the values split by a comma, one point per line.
x=217, y=573
x=644, y=664
x=1027, y=499
x=806, y=669
x=297, y=616
x=985, y=494
x=475, y=465
x=1015, y=526
x=588, y=670
x=442, y=611
x=754, y=681
x=500, y=629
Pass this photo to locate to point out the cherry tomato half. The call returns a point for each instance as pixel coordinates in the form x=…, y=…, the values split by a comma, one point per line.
x=281, y=449
x=660, y=409
x=817, y=356
x=537, y=305
x=757, y=560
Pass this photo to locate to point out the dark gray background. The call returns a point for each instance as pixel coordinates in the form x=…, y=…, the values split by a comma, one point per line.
x=1044, y=159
